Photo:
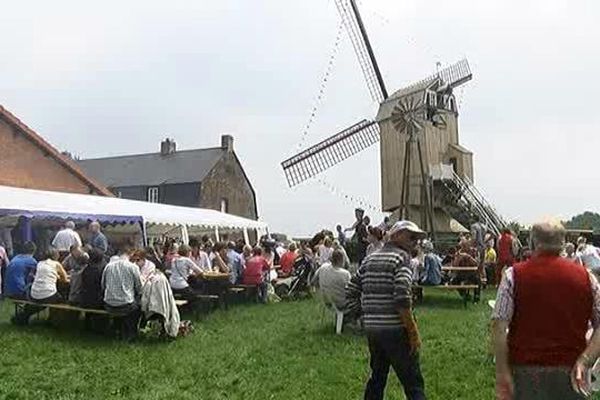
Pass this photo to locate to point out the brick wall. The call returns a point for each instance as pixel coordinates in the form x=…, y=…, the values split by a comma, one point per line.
x=227, y=181
x=23, y=164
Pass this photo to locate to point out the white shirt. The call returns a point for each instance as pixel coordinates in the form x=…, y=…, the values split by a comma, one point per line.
x=147, y=270
x=280, y=250
x=417, y=268
x=332, y=283
x=324, y=254
x=121, y=282
x=181, y=270
x=44, y=283
x=203, y=261
x=589, y=257
x=66, y=238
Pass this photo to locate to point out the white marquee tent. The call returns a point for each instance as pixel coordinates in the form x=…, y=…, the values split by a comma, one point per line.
x=153, y=217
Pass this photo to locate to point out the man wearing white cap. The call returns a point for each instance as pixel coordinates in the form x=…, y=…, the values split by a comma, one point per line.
x=381, y=290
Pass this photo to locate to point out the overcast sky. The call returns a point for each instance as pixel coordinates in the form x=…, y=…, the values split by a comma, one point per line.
x=116, y=77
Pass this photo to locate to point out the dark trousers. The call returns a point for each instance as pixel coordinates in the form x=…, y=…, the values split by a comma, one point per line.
x=128, y=317
x=187, y=293
x=3, y=278
x=543, y=383
x=261, y=292
x=29, y=310
x=391, y=348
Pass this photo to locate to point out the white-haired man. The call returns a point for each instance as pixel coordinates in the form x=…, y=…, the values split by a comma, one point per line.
x=65, y=238
x=540, y=320
x=382, y=291
x=331, y=278
x=98, y=240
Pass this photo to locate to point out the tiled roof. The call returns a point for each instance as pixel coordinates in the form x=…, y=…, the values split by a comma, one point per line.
x=62, y=159
x=154, y=169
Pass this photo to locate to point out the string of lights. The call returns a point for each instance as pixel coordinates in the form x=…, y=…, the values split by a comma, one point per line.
x=461, y=93
x=322, y=86
x=376, y=14
x=348, y=199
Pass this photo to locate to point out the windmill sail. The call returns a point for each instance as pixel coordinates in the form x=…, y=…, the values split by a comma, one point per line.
x=362, y=47
x=330, y=152
x=454, y=75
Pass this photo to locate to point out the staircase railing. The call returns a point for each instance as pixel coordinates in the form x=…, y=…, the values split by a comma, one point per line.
x=491, y=209
x=479, y=204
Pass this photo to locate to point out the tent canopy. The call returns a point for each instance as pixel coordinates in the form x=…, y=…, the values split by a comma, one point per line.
x=38, y=203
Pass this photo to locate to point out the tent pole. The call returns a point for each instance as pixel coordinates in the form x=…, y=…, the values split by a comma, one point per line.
x=217, y=234
x=144, y=233
x=184, y=235
x=26, y=229
x=246, y=238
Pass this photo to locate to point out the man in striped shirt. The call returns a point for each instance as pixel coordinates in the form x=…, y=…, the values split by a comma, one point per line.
x=381, y=290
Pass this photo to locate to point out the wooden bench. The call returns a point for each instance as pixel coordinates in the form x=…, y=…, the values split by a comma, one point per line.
x=461, y=269
x=247, y=291
x=20, y=304
x=207, y=301
x=180, y=303
x=418, y=291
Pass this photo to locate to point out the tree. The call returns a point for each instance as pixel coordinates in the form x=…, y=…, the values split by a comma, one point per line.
x=515, y=226
x=587, y=220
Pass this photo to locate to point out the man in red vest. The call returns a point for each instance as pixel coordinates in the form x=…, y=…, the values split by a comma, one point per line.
x=505, y=254
x=541, y=317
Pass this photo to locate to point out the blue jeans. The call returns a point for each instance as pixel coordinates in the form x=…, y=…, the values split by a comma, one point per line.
x=391, y=348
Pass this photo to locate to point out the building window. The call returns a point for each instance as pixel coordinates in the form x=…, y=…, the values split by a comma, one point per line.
x=454, y=163
x=153, y=195
x=452, y=104
x=224, y=205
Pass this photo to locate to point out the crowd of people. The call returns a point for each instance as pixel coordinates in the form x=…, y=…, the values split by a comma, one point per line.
x=136, y=284
x=543, y=351
x=553, y=283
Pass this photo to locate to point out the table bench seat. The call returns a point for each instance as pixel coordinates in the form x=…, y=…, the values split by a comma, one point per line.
x=62, y=306
x=418, y=291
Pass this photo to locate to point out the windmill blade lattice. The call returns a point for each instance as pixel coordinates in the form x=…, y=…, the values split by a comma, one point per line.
x=454, y=75
x=330, y=152
x=409, y=115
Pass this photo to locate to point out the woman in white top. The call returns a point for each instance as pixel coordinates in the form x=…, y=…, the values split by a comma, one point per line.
x=43, y=290
x=324, y=251
x=47, y=273
x=182, y=268
x=147, y=270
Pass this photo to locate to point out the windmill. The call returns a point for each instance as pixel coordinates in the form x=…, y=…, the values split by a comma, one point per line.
x=426, y=174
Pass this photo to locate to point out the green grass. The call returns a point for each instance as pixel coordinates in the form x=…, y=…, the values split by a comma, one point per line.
x=278, y=351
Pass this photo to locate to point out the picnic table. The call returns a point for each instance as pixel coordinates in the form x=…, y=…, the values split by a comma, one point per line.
x=464, y=289
x=20, y=305
x=215, y=284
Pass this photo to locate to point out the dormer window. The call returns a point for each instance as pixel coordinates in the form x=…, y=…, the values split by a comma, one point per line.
x=153, y=194
x=452, y=104
x=431, y=99
x=224, y=205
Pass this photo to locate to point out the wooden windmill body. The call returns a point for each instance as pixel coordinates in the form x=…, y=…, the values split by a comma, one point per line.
x=426, y=175
x=439, y=142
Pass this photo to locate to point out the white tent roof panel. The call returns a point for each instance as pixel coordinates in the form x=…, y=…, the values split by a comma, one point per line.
x=14, y=200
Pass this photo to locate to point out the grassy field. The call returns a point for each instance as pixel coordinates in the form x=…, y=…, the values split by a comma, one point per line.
x=278, y=351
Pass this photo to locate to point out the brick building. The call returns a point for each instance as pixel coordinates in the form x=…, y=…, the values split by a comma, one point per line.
x=28, y=161
x=209, y=178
